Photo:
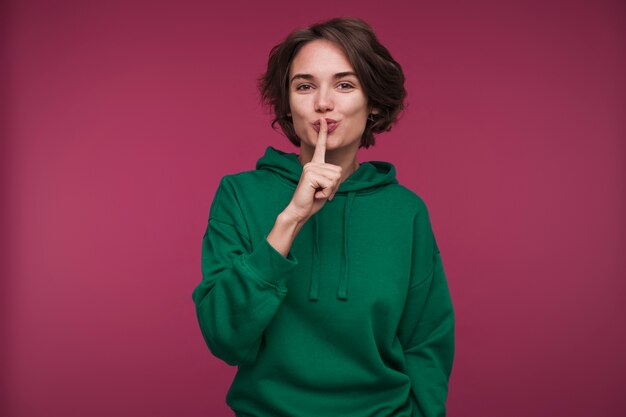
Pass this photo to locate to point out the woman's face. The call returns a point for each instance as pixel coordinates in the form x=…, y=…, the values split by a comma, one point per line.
x=322, y=83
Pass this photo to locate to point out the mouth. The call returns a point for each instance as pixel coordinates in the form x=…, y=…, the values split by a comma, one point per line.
x=332, y=125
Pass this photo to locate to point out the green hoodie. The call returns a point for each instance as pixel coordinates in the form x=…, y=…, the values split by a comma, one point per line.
x=356, y=321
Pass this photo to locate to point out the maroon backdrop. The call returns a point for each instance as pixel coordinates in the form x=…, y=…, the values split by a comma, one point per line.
x=120, y=117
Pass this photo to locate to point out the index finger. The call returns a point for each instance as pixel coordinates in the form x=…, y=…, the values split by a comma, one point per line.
x=320, y=146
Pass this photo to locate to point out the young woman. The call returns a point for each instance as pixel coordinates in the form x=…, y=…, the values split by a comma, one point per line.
x=322, y=279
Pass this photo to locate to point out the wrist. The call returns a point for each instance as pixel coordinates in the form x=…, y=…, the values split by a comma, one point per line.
x=290, y=217
x=284, y=232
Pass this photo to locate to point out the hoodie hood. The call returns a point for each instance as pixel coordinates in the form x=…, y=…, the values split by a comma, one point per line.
x=369, y=177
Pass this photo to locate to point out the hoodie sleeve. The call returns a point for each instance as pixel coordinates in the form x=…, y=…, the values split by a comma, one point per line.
x=243, y=282
x=426, y=329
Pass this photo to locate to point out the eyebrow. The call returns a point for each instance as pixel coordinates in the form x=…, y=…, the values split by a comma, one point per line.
x=311, y=77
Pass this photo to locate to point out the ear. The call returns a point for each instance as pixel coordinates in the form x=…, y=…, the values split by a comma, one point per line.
x=374, y=110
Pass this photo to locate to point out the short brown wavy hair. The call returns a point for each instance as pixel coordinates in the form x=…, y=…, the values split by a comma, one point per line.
x=380, y=75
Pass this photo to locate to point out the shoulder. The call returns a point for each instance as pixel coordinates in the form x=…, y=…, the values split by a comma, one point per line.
x=402, y=196
x=246, y=179
x=229, y=188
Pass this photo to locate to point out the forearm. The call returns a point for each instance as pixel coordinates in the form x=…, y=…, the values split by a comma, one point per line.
x=427, y=331
x=241, y=289
x=234, y=311
x=285, y=230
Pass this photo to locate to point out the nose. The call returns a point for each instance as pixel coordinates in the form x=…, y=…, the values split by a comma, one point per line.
x=323, y=100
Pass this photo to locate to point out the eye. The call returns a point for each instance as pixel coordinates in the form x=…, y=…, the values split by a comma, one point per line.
x=345, y=86
x=304, y=87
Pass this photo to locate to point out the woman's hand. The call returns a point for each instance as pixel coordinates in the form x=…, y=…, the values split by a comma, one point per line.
x=318, y=183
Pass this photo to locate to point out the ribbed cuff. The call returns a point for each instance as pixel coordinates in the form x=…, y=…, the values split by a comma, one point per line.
x=269, y=265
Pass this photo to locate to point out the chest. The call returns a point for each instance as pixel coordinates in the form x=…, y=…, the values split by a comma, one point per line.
x=363, y=252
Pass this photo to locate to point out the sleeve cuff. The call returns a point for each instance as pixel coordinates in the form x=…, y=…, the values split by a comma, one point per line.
x=269, y=265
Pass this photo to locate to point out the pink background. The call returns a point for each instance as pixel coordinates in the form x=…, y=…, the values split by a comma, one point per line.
x=120, y=117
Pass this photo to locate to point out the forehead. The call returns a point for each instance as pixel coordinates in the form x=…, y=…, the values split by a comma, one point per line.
x=320, y=58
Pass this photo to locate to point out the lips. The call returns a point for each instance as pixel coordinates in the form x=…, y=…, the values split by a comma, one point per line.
x=331, y=123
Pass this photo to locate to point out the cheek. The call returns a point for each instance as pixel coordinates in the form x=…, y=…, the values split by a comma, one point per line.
x=355, y=107
x=358, y=113
x=298, y=120
x=298, y=116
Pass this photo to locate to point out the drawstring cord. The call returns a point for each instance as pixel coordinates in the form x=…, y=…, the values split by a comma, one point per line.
x=315, y=264
x=342, y=291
